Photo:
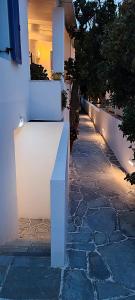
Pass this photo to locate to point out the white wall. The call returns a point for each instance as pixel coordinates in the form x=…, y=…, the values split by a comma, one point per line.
x=45, y=100
x=107, y=125
x=59, y=201
x=67, y=46
x=36, y=146
x=58, y=39
x=14, y=89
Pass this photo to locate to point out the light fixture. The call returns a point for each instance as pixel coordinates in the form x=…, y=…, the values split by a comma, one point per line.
x=38, y=54
x=103, y=131
x=131, y=162
x=21, y=122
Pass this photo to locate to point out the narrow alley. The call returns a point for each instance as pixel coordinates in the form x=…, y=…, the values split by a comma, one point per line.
x=101, y=223
x=101, y=234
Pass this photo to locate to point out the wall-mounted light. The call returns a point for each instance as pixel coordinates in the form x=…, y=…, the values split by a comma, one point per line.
x=103, y=131
x=21, y=122
x=131, y=162
x=38, y=54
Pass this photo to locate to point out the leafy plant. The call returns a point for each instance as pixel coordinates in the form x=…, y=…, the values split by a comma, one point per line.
x=118, y=51
x=105, y=56
x=38, y=72
x=130, y=178
x=64, y=99
x=128, y=122
x=57, y=75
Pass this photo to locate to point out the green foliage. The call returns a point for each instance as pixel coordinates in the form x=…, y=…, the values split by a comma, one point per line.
x=71, y=69
x=128, y=122
x=64, y=99
x=88, y=67
x=130, y=178
x=105, y=55
x=38, y=72
x=118, y=51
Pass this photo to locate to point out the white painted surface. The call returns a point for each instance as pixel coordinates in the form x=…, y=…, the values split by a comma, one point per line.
x=66, y=115
x=14, y=93
x=36, y=146
x=107, y=125
x=14, y=103
x=45, y=100
x=68, y=45
x=59, y=202
x=58, y=39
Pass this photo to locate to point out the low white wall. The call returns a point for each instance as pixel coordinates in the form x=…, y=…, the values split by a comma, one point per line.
x=36, y=146
x=66, y=114
x=107, y=125
x=45, y=100
x=59, y=201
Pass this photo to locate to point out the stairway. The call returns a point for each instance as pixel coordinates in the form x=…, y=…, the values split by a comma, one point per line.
x=33, y=239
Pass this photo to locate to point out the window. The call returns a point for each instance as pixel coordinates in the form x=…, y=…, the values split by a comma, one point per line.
x=14, y=30
x=4, y=29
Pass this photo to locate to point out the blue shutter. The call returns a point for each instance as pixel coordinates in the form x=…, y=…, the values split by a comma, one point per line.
x=14, y=29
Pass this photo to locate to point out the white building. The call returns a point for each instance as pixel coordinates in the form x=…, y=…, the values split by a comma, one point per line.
x=33, y=155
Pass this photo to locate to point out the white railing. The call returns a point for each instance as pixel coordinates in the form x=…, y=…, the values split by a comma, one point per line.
x=59, y=201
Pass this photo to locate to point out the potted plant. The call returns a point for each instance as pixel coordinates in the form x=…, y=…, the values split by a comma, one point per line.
x=38, y=72
x=57, y=75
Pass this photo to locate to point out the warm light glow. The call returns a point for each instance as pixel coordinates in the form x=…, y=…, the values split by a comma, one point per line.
x=131, y=162
x=21, y=123
x=38, y=53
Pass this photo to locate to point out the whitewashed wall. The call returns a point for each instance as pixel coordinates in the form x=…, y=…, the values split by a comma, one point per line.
x=36, y=146
x=14, y=89
x=58, y=39
x=69, y=46
x=107, y=125
x=45, y=100
x=59, y=201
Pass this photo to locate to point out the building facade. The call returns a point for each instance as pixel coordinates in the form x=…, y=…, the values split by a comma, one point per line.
x=36, y=31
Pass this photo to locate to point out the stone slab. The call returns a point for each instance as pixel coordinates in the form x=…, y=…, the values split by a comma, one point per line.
x=77, y=259
x=32, y=283
x=76, y=286
x=97, y=268
x=121, y=259
x=109, y=290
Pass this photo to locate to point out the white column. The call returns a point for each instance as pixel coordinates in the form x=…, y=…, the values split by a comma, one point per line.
x=58, y=39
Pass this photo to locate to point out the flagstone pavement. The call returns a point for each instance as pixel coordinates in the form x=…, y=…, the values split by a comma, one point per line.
x=101, y=234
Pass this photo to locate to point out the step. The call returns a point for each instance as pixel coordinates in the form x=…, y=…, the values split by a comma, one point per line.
x=26, y=248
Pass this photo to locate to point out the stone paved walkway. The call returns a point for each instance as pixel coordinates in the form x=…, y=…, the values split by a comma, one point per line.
x=101, y=235
x=101, y=223
x=34, y=229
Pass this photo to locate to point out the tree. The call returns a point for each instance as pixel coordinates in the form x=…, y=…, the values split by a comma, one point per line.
x=92, y=17
x=86, y=69
x=118, y=50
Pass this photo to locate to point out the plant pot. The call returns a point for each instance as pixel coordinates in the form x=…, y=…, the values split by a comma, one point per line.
x=56, y=76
